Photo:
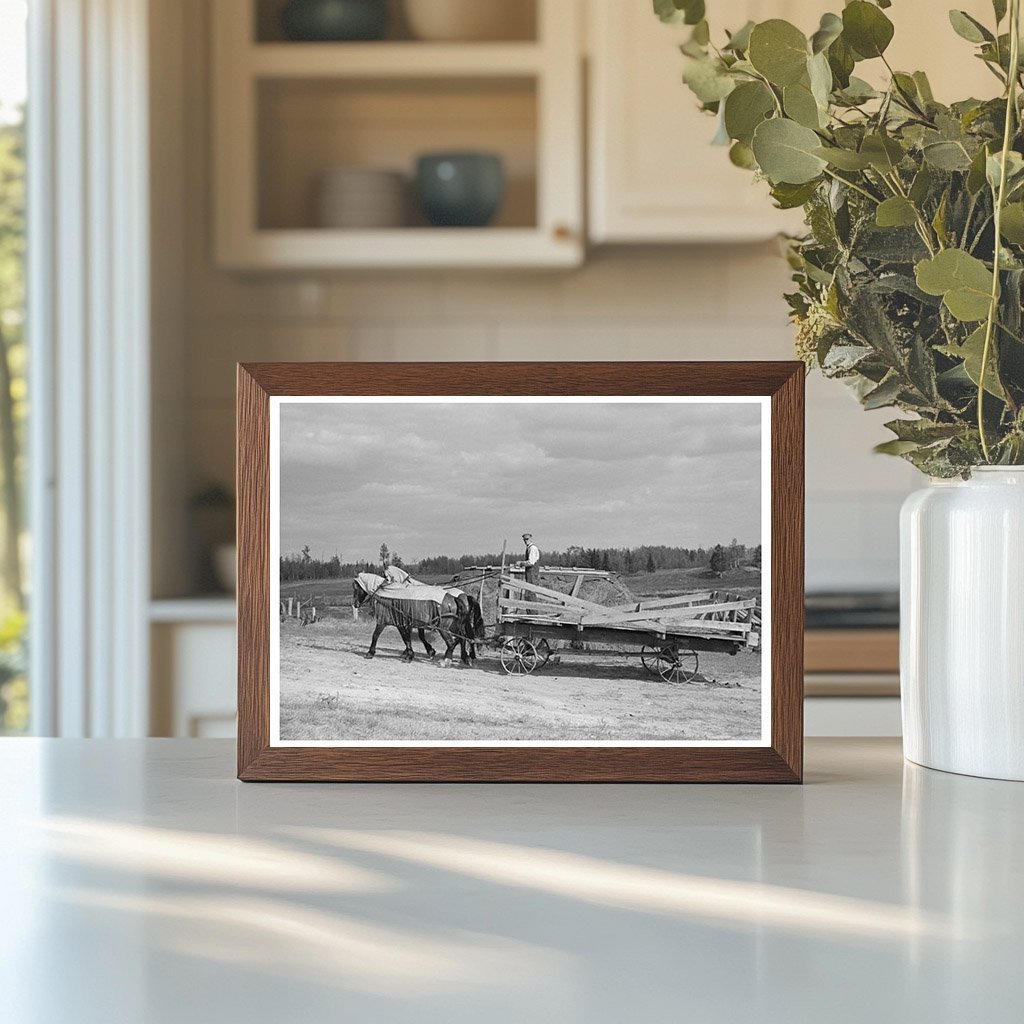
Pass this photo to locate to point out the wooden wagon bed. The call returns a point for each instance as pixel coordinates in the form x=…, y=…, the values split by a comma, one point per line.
x=670, y=630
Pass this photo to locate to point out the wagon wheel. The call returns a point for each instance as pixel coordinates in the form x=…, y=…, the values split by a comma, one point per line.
x=649, y=657
x=518, y=656
x=677, y=664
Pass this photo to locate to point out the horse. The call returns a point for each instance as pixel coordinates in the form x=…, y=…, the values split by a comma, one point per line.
x=363, y=588
x=472, y=621
x=457, y=618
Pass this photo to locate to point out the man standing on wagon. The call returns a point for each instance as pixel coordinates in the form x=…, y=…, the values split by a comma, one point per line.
x=531, y=563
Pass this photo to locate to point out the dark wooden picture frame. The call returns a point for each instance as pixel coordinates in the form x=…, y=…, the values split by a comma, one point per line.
x=781, y=761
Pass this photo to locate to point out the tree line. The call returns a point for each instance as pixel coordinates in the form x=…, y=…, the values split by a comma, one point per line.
x=628, y=561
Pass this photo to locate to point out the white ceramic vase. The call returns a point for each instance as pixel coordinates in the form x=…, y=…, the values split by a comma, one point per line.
x=962, y=624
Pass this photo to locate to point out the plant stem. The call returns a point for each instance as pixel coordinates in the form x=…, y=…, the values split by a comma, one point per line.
x=923, y=228
x=856, y=188
x=993, y=309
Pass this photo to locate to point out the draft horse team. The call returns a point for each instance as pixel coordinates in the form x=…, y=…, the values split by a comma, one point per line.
x=407, y=605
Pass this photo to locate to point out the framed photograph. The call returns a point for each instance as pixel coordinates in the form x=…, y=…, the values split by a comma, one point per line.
x=506, y=572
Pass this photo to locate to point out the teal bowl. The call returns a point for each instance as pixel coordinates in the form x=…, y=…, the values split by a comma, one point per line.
x=460, y=190
x=334, y=21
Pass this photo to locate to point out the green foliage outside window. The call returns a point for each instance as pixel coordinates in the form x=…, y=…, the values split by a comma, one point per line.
x=13, y=411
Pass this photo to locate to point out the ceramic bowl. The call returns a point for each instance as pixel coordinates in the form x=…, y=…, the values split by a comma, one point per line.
x=334, y=20
x=460, y=189
x=358, y=197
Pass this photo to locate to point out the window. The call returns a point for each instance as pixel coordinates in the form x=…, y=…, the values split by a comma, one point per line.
x=14, y=695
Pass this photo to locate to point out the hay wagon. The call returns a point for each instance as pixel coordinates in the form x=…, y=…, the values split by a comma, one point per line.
x=666, y=633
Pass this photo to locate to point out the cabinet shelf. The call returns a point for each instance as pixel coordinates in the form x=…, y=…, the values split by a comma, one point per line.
x=311, y=248
x=393, y=60
x=286, y=113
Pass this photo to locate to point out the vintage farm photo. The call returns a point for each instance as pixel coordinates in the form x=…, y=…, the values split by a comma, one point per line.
x=502, y=571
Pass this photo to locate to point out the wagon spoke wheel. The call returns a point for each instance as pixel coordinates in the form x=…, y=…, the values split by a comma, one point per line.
x=649, y=657
x=677, y=664
x=518, y=656
x=544, y=653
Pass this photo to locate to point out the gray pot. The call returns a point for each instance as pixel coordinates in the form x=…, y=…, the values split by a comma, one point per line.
x=334, y=20
x=460, y=189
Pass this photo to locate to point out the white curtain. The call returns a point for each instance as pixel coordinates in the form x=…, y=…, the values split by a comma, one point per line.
x=88, y=318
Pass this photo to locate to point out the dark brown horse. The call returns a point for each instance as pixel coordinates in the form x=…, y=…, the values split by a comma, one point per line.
x=457, y=618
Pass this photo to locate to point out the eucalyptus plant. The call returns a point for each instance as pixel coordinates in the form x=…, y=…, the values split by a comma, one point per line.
x=910, y=278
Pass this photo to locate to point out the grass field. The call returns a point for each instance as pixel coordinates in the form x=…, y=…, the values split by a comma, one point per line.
x=330, y=692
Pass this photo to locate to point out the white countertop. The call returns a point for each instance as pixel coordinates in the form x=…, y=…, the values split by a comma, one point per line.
x=143, y=885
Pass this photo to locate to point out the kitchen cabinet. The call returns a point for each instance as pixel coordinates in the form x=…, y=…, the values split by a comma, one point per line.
x=653, y=175
x=286, y=113
x=192, y=649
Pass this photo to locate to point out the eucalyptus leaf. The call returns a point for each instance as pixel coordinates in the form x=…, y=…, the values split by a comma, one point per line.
x=800, y=105
x=969, y=28
x=972, y=353
x=745, y=108
x=741, y=155
x=739, y=41
x=721, y=136
x=923, y=431
x=895, y=212
x=963, y=281
x=844, y=159
x=1014, y=169
x=789, y=197
x=866, y=30
x=883, y=153
x=1012, y=225
x=829, y=30
x=976, y=173
x=675, y=12
x=907, y=89
x=779, y=51
x=921, y=185
x=786, y=152
x=896, y=447
x=884, y=395
x=924, y=87
x=858, y=91
x=947, y=156
x=842, y=61
x=708, y=80
x=819, y=75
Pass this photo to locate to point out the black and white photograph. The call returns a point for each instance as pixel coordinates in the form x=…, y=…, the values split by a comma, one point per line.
x=490, y=571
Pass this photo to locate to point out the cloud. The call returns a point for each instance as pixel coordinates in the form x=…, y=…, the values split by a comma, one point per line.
x=452, y=478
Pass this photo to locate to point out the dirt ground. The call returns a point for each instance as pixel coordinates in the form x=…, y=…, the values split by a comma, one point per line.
x=329, y=691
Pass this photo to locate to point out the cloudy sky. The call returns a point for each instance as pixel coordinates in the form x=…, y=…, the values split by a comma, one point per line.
x=432, y=479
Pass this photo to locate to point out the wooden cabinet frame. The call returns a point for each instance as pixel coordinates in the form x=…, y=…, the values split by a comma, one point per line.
x=552, y=63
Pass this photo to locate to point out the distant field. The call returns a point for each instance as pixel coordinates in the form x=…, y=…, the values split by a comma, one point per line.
x=664, y=583
x=668, y=582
